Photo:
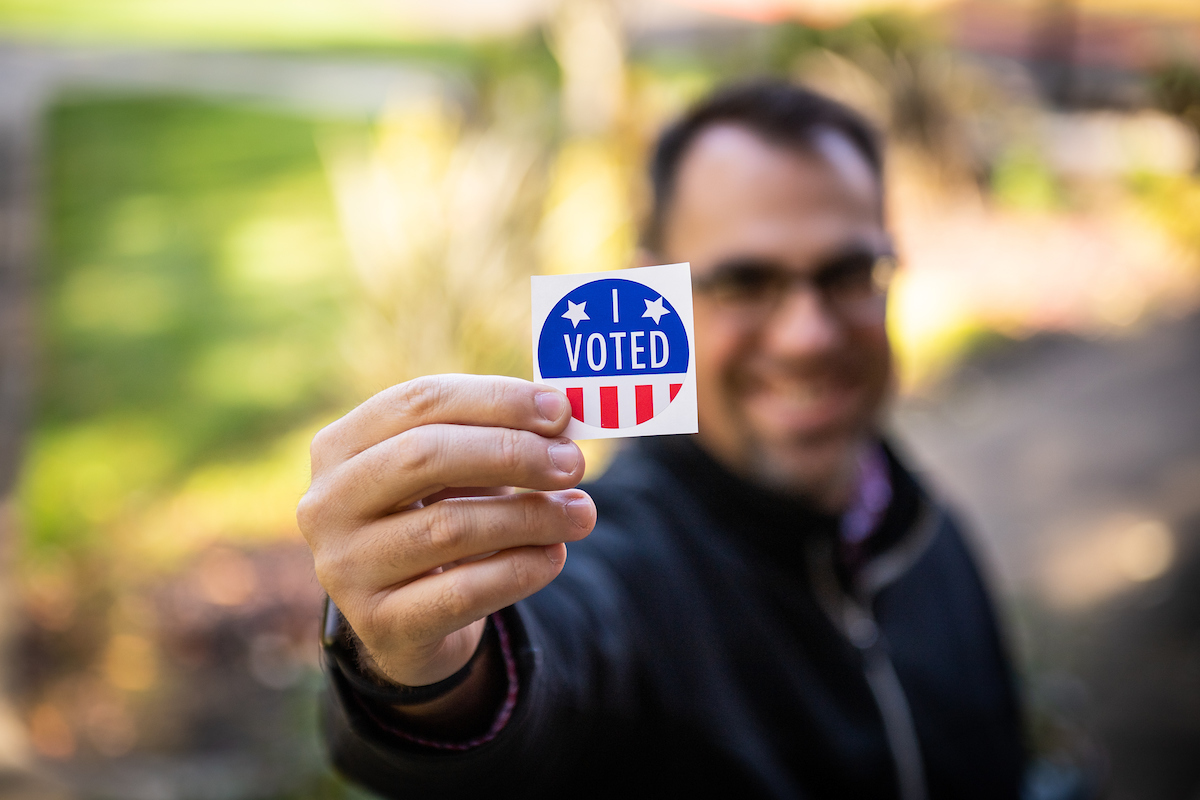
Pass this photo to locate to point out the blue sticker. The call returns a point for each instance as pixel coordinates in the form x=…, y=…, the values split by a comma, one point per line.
x=613, y=327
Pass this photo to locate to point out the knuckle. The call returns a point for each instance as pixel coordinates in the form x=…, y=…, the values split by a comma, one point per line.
x=372, y=615
x=533, y=511
x=387, y=614
x=508, y=393
x=497, y=396
x=493, y=527
x=417, y=399
x=413, y=451
x=322, y=442
x=334, y=569
x=384, y=461
x=410, y=453
x=511, y=450
x=393, y=555
x=328, y=574
x=444, y=531
x=521, y=575
x=310, y=513
x=455, y=597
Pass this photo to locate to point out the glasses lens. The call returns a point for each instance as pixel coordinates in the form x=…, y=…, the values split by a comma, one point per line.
x=747, y=284
x=848, y=277
x=857, y=286
x=853, y=285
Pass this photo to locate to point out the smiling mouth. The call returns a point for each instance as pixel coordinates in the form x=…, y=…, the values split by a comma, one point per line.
x=804, y=406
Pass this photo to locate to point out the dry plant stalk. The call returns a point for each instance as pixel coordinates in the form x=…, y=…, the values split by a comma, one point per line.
x=440, y=219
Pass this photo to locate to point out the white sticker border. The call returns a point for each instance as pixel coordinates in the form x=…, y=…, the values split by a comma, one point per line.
x=673, y=281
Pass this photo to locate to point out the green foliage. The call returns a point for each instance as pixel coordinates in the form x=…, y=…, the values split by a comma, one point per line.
x=1176, y=88
x=1021, y=180
x=895, y=34
x=265, y=22
x=191, y=290
x=1174, y=202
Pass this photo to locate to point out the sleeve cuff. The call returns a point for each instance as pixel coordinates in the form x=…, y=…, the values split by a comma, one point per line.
x=502, y=716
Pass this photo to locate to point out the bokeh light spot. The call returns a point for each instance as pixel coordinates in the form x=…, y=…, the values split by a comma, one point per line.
x=1101, y=560
x=226, y=577
x=50, y=733
x=131, y=663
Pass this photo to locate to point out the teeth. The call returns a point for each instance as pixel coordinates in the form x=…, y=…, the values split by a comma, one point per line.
x=803, y=393
x=812, y=391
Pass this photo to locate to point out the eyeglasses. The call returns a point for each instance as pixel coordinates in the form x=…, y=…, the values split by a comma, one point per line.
x=853, y=286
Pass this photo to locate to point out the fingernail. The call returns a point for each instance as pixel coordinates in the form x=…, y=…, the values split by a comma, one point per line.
x=565, y=457
x=580, y=512
x=556, y=553
x=551, y=405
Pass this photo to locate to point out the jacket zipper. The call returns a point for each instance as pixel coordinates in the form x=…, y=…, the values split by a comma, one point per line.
x=853, y=619
x=863, y=632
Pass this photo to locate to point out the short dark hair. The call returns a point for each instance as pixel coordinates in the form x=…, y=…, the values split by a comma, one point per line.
x=779, y=112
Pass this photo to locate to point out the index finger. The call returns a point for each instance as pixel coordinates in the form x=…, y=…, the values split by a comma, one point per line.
x=485, y=400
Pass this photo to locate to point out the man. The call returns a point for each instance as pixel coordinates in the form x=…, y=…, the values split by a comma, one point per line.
x=771, y=608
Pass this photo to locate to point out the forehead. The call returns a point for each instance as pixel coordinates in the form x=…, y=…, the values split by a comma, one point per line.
x=738, y=195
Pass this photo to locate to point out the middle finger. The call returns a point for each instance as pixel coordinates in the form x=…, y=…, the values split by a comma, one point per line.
x=403, y=546
x=417, y=463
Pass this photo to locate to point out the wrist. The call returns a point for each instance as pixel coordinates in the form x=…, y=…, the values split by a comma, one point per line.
x=368, y=680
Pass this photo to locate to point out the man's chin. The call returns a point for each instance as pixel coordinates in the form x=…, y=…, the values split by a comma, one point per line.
x=819, y=468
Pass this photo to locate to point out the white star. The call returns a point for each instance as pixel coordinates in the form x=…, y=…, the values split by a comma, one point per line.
x=575, y=313
x=655, y=310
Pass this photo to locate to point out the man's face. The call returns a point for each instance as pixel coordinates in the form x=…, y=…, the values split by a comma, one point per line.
x=788, y=390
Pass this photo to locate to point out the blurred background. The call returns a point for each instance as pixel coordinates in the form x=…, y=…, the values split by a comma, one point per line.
x=223, y=224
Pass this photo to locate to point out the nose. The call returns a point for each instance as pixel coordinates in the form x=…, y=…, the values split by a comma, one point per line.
x=802, y=325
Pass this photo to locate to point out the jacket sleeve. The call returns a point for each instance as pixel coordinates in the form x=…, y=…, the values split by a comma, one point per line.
x=575, y=645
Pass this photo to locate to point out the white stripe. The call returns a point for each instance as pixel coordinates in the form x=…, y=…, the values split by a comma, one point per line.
x=662, y=396
x=591, y=405
x=627, y=406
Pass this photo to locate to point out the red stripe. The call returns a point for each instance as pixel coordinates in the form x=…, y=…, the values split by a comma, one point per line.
x=644, y=400
x=575, y=395
x=675, y=387
x=608, y=407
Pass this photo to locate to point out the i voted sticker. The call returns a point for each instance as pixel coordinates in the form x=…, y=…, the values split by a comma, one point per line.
x=621, y=346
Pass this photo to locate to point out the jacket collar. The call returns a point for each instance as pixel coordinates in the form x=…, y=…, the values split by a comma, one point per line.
x=776, y=523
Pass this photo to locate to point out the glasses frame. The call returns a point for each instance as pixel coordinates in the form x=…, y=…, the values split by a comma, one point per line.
x=864, y=309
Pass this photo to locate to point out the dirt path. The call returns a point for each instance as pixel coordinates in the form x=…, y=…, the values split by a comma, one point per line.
x=1056, y=449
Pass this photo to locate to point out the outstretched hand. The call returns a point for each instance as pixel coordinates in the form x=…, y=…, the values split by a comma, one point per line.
x=409, y=546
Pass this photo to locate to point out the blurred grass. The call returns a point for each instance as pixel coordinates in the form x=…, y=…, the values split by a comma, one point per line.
x=1022, y=181
x=303, y=23
x=194, y=295
x=192, y=287
x=1173, y=201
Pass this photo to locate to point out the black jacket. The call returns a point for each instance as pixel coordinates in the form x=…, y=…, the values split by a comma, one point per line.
x=706, y=638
